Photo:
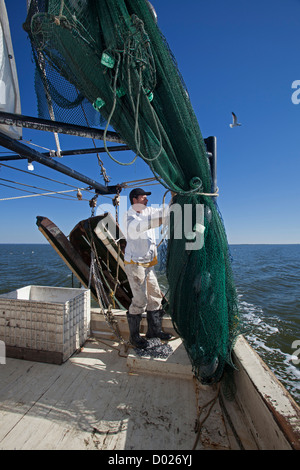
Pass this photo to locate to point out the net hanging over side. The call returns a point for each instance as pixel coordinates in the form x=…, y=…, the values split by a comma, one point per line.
x=116, y=58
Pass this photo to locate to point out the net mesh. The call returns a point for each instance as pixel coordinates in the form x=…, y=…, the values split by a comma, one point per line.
x=110, y=57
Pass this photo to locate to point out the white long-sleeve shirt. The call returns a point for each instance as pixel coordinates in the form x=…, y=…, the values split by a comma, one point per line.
x=141, y=240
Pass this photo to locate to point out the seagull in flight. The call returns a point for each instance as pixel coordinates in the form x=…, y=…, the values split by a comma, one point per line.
x=235, y=123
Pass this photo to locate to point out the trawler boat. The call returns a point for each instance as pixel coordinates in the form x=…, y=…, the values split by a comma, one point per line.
x=93, y=390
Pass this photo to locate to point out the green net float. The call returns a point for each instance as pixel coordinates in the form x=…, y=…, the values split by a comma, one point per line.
x=195, y=183
x=149, y=94
x=98, y=104
x=120, y=92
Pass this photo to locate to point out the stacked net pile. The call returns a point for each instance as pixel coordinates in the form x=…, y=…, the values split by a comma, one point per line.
x=115, y=57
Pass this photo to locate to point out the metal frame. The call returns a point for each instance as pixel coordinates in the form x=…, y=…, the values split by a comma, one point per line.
x=25, y=152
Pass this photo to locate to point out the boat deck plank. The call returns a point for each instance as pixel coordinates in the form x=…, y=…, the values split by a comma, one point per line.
x=94, y=401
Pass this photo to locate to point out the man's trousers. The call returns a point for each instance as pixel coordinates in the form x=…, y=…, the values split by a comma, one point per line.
x=145, y=289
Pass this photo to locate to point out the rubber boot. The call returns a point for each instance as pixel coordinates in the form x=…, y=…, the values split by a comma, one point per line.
x=134, y=329
x=154, y=319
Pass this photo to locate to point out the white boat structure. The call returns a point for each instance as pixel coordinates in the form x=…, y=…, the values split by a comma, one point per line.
x=72, y=380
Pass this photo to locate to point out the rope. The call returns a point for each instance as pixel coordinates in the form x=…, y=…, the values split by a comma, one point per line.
x=108, y=314
x=48, y=97
x=145, y=184
x=94, y=273
x=117, y=271
x=36, y=145
x=61, y=8
x=110, y=117
x=215, y=194
x=141, y=54
x=137, y=133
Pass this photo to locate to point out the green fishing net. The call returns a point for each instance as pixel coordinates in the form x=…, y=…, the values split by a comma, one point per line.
x=110, y=57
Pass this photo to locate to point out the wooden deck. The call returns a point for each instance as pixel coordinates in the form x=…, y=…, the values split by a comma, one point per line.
x=108, y=398
x=101, y=399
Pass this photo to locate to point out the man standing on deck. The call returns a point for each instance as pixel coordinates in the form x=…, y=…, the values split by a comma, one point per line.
x=140, y=259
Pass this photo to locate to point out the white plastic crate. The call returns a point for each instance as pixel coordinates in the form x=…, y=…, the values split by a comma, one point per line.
x=46, y=324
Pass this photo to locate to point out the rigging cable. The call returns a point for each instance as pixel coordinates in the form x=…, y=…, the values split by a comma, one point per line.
x=38, y=176
x=50, y=194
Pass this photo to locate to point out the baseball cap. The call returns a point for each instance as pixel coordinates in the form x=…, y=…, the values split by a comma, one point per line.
x=137, y=192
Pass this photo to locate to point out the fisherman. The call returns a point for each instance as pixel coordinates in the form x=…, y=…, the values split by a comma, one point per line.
x=140, y=259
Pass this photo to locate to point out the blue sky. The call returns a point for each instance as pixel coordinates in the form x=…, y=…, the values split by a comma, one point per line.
x=238, y=55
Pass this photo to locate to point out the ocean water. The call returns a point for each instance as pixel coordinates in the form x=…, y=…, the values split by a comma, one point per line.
x=267, y=278
x=268, y=284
